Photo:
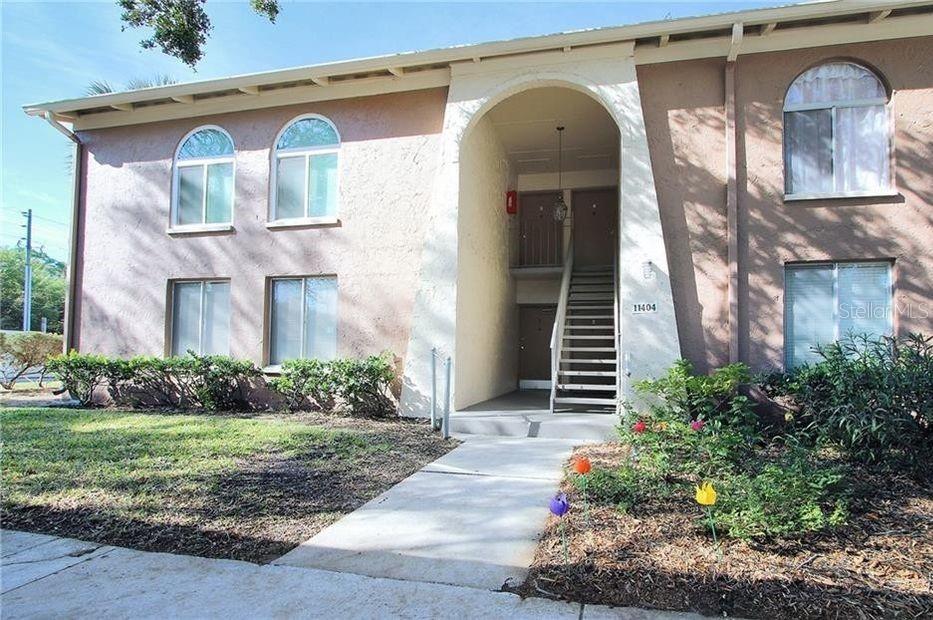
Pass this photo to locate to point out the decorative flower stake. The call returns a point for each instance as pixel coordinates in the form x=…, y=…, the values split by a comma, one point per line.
x=582, y=466
x=640, y=427
x=697, y=424
x=706, y=496
x=559, y=507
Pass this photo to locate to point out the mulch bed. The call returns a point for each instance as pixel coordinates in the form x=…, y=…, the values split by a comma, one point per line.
x=265, y=506
x=880, y=565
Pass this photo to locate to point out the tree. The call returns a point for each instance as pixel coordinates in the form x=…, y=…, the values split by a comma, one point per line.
x=180, y=27
x=48, y=289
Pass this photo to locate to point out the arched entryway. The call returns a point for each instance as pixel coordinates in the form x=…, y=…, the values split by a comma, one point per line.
x=510, y=265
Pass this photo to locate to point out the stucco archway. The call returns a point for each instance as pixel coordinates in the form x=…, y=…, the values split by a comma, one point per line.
x=607, y=74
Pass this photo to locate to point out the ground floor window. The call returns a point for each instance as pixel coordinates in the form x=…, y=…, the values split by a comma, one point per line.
x=303, y=318
x=201, y=317
x=827, y=301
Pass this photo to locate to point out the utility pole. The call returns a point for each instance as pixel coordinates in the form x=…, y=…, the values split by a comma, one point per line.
x=27, y=275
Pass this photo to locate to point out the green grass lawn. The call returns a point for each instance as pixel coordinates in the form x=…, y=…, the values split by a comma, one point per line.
x=221, y=486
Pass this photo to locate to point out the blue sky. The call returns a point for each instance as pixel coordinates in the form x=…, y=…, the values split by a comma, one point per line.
x=52, y=50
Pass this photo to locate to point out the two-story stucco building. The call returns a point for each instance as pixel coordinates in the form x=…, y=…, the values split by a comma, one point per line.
x=570, y=212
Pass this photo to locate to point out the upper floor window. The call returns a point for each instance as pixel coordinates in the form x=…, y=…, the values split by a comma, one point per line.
x=202, y=188
x=836, y=138
x=304, y=170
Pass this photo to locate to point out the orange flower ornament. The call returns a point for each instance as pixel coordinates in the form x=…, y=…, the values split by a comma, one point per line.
x=582, y=465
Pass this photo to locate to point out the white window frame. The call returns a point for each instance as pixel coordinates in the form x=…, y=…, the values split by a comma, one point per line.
x=306, y=152
x=204, y=162
x=835, y=267
x=304, y=327
x=202, y=283
x=832, y=106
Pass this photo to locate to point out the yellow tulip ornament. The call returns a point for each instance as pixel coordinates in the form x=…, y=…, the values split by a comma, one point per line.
x=706, y=496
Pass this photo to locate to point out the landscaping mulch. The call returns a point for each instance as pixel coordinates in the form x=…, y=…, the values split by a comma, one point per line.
x=256, y=510
x=880, y=565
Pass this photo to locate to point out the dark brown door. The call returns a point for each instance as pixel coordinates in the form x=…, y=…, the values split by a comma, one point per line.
x=535, y=324
x=595, y=217
x=540, y=235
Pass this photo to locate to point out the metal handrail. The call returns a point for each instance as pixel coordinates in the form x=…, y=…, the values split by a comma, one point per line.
x=560, y=318
x=617, y=320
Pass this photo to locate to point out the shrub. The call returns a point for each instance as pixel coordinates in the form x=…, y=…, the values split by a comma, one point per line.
x=22, y=352
x=305, y=384
x=714, y=397
x=361, y=385
x=81, y=374
x=212, y=382
x=793, y=495
x=871, y=397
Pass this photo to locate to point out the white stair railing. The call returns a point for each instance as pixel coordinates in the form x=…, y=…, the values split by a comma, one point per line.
x=616, y=319
x=557, y=335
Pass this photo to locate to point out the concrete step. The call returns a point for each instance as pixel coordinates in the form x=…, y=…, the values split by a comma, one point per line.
x=572, y=307
x=608, y=328
x=586, y=387
x=544, y=424
x=588, y=337
x=565, y=360
x=588, y=373
x=589, y=349
x=590, y=288
x=580, y=400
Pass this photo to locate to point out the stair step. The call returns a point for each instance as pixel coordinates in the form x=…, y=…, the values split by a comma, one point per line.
x=588, y=337
x=600, y=361
x=591, y=317
x=573, y=307
x=590, y=349
x=588, y=373
x=593, y=327
x=577, y=400
x=586, y=387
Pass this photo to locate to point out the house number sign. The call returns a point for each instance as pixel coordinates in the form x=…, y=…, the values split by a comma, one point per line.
x=644, y=308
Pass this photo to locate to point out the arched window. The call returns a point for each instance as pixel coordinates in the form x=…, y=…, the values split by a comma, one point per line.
x=836, y=137
x=202, y=188
x=304, y=170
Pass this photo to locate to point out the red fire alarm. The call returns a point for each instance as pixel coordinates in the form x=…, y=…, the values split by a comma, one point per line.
x=511, y=202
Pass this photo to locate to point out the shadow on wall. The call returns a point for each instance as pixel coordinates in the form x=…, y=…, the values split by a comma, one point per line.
x=686, y=124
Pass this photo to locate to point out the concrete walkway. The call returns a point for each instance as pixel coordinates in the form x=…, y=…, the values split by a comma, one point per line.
x=48, y=577
x=471, y=518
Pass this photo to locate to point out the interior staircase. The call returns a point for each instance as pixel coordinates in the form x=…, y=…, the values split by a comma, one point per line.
x=588, y=360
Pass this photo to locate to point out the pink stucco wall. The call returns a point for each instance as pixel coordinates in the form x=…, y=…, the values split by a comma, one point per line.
x=388, y=158
x=683, y=105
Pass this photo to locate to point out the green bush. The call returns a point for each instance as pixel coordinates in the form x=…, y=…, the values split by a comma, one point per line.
x=24, y=351
x=871, y=397
x=360, y=385
x=81, y=374
x=715, y=397
x=794, y=495
x=363, y=384
x=210, y=383
x=305, y=384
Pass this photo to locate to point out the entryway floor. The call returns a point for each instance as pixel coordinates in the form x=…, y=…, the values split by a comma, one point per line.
x=525, y=413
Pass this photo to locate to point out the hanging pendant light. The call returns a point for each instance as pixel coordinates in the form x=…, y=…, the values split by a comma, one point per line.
x=560, y=207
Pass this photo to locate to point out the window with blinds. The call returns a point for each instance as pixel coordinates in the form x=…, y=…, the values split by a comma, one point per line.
x=303, y=319
x=201, y=317
x=828, y=301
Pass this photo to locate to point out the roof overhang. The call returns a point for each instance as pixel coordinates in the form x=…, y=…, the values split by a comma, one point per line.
x=825, y=22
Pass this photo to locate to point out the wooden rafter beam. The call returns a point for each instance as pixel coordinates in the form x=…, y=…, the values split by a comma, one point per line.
x=183, y=98
x=321, y=81
x=876, y=16
x=249, y=90
x=768, y=29
x=663, y=40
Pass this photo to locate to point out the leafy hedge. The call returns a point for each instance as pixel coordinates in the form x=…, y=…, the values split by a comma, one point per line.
x=209, y=382
x=221, y=383
x=873, y=398
x=360, y=385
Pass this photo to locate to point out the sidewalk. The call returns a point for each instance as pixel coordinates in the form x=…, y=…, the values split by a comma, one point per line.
x=44, y=576
x=471, y=518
